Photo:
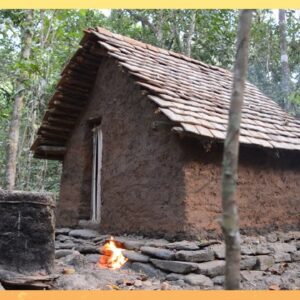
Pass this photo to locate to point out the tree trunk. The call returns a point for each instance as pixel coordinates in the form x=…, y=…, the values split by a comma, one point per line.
x=189, y=34
x=13, y=135
x=229, y=221
x=285, y=75
x=174, y=25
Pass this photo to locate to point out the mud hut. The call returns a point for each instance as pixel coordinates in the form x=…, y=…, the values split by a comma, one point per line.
x=140, y=130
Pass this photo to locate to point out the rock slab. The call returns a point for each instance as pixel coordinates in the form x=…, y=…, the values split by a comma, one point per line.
x=183, y=245
x=212, y=268
x=64, y=252
x=198, y=280
x=248, y=262
x=219, y=251
x=195, y=256
x=135, y=256
x=62, y=231
x=83, y=233
x=158, y=252
x=175, y=266
x=282, y=247
x=296, y=256
x=265, y=262
x=147, y=269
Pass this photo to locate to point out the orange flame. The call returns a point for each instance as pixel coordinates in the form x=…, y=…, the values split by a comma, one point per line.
x=112, y=255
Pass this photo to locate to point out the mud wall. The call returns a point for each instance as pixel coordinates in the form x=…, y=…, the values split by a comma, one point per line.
x=158, y=184
x=268, y=192
x=142, y=169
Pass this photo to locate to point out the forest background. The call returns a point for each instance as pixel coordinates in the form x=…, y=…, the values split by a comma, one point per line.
x=36, y=44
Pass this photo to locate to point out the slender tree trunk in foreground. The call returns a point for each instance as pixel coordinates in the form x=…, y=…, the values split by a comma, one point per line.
x=229, y=221
x=285, y=73
x=14, y=128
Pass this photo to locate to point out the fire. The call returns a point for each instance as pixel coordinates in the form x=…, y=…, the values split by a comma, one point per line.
x=112, y=255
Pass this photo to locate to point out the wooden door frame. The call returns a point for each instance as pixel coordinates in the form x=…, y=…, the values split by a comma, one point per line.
x=96, y=175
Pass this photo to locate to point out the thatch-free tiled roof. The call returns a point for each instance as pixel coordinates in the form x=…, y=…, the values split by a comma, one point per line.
x=194, y=95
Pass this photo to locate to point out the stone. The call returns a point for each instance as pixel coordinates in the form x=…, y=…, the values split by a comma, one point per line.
x=138, y=283
x=147, y=269
x=174, y=277
x=295, y=235
x=274, y=287
x=92, y=258
x=101, y=238
x=76, y=260
x=250, y=240
x=282, y=257
x=88, y=249
x=277, y=268
x=165, y=286
x=282, y=247
x=297, y=245
x=265, y=262
x=68, y=271
x=183, y=245
x=83, y=233
x=291, y=279
x=205, y=243
x=219, y=280
x=159, y=243
x=180, y=282
x=198, y=280
x=195, y=256
x=158, y=252
x=175, y=266
x=218, y=250
x=259, y=249
x=147, y=283
x=135, y=256
x=77, y=281
x=247, y=249
x=251, y=275
x=57, y=245
x=64, y=252
x=211, y=268
x=296, y=256
x=65, y=245
x=133, y=245
x=273, y=280
x=262, y=249
x=272, y=237
x=64, y=231
x=62, y=238
x=248, y=262
x=289, y=236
